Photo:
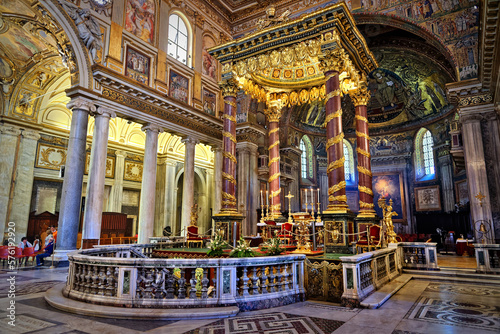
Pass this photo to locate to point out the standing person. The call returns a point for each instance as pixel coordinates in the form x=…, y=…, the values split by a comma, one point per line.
x=49, y=249
x=53, y=230
x=47, y=234
x=24, y=243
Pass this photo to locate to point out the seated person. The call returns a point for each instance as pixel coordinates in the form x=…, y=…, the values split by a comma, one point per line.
x=24, y=243
x=53, y=230
x=49, y=249
x=36, y=243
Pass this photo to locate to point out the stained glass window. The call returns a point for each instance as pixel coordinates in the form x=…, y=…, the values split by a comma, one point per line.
x=427, y=145
x=303, y=159
x=177, y=39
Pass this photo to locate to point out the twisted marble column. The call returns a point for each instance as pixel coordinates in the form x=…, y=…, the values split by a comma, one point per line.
x=274, y=114
x=229, y=88
x=360, y=97
x=332, y=64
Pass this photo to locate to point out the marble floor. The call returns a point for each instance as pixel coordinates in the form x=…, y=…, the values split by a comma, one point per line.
x=422, y=306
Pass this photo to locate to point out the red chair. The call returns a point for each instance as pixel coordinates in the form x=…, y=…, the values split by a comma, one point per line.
x=286, y=232
x=18, y=255
x=193, y=236
x=29, y=252
x=373, y=239
x=4, y=254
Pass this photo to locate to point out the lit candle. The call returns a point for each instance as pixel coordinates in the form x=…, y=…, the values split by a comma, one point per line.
x=272, y=204
x=318, y=196
x=312, y=201
x=261, y=198
x=267, y=199
x=305, y=190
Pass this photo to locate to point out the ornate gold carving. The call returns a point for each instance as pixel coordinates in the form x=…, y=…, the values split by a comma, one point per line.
x=227, y=196
x=365, y=171
x=229, y=135
x=229, y=203
x=276, y=143
x=275, y=193
x=229, y=156
x=360, y=96
x=332, y=94
x=273, y=114
x=363, y=152
x=336, y=164
x=273, y=131
x=362, y=134
x=50, y=157
x=331, y=116
x=365, y=190
x=133, y=171
x=229, y=177
x=229, y=117
x=340, y=198
x=331, y=75
x=274, y=177
x=275, y=159
x=364, y=205
x=229, y=87
x=231, y=103
x=361, y=118
x=337, y=187
x=332, y=60
x=335, y=140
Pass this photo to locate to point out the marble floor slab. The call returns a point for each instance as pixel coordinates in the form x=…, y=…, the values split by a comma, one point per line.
x=420, y=307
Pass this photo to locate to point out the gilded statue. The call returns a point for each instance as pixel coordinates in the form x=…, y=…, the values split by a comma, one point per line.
x=388, y=214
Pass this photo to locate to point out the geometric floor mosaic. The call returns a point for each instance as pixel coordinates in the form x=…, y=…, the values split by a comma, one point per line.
x=270, y=323
x=464, y=289
x=473, y=315
x=331, y=307
x=29, y=288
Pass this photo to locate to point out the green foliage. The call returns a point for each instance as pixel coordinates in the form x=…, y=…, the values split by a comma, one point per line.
x=273, y=246
x=242, y=250
x=217, y=246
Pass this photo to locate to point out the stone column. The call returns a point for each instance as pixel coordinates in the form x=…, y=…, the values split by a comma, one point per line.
x=229, y=88
x=148, y=186
x=476, y=168
x=491, y=133
x=274, y=114
x=95, y=188
x=19, y=205
x=188, y=183
x=170, y=190
x=71, y=197
x=247, y=174
x=116, y=198
x=10, y=139
x=446, y=173
x=360, y=97
x=332, y=64
x=218, y=160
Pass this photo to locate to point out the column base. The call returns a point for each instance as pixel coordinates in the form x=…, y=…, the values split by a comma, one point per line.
x=89, y=243
x=60, y=256
x=229, y=225
x=341, y=227
x=337, y=209
x=367, y=214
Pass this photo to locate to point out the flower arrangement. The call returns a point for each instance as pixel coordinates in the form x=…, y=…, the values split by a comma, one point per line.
x=217, y=246
x=273, y=246
x=242, y=250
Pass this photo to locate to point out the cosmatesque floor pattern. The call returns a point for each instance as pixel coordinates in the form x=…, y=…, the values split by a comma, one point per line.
x=420, y=307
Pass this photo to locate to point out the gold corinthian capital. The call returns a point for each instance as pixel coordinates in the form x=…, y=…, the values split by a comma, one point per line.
x=332, y=60
x=229, y=87
x=273, y=114
x=361, y=95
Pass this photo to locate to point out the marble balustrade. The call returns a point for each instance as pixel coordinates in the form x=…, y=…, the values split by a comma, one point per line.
x=367, y=272
x=126, y=276
x=487, y=258
x=419, y=255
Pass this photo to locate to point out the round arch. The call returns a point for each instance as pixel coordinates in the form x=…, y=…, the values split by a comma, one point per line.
x=189, y=27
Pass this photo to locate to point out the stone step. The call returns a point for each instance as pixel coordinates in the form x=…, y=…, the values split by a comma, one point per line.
x=454, y=274
x=56, y=299
x=379, y=297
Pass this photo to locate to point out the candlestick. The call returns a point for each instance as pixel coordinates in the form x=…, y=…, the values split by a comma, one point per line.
x=267, y=199
x=318, y=196
x=305, y=190
x=272, y=205
x=261, y=198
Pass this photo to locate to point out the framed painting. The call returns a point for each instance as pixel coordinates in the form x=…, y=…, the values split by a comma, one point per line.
x=140, y=19
x=390, y=186
x=179, y=87
x=137, y=66
x=427, y=198
x=462, y=192
x=209, y=102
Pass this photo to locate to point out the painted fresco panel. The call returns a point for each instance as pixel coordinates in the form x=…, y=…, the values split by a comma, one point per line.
x=209, y=102
x=140, y=19
x=137, y=66
x=390, y=186
x=179, y=87
x=209, y=63
x=20, y=44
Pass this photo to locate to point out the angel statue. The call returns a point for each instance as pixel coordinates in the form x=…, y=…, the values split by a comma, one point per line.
x=88, y=28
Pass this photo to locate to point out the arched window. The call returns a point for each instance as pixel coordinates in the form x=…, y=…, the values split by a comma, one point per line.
x=178, y=38
x=349, y=163
x=306, y=160
x=424, y=155
x=303, y=159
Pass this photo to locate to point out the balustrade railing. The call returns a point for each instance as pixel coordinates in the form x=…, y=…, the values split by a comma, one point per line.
x=487, y=258
x=419, y=255
x=128, y=277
